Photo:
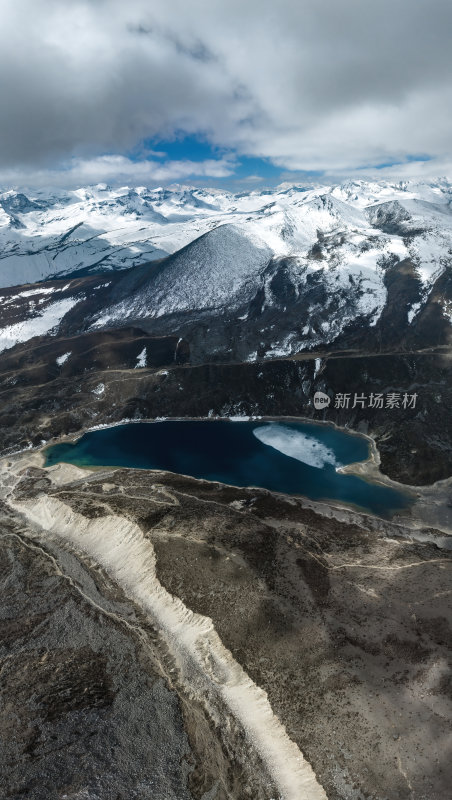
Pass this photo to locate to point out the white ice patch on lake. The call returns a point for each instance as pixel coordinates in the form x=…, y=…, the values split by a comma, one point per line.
x=296, y=445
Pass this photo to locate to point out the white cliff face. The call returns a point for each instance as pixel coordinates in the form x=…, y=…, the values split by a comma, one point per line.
x=205, y=666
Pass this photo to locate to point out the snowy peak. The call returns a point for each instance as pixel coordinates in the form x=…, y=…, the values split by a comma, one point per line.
x=50, y=234
x=18, y=203
x=282, y=271
x=213, y=271
x=244, y=276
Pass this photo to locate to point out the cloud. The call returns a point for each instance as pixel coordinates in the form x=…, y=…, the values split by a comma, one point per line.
x=251, y=179
x=318, y=85
x=116, y=169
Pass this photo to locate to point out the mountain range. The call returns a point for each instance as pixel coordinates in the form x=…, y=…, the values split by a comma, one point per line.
x=231, y=304
x=180, y=622
x=260, y=274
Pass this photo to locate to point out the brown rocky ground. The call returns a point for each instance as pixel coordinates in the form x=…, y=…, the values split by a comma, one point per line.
x=344, y=622
x=343, y=619
x=42, y=400
x=85, y=711
x=88, y=705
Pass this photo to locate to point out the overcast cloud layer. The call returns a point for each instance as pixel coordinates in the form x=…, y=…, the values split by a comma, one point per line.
x=332, y=85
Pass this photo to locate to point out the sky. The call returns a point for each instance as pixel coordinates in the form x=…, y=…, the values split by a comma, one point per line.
x=233, y=93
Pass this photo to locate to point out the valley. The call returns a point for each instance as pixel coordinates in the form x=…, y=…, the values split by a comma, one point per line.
x=340, y=618
x=172, y=637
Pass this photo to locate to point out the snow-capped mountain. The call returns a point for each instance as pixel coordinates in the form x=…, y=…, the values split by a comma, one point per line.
x=52, y=234
x=257, y=274
x=299, y=269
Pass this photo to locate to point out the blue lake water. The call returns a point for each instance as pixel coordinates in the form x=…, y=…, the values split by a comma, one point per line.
x=290, y=457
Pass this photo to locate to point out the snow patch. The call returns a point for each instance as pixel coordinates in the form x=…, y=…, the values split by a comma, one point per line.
x=447, y=310
x=40, y=325
x=413, y=311
x=141, y=359
x=31, y=292
x=62, y=359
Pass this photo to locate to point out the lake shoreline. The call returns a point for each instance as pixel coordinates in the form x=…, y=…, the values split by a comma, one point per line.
x=312, y=451
x=428, y=508
x=369, y=468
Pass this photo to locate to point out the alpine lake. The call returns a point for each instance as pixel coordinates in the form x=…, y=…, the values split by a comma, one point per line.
x=295, y=458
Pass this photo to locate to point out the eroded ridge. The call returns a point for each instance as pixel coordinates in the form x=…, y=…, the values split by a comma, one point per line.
x=206, y=667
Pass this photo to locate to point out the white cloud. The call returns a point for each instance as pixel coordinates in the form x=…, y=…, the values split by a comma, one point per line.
x=251, y=179
x=312, y=86
x=115, y=169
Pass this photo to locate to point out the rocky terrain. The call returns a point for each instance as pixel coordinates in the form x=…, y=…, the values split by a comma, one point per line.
x=168, y=638
x=264, y=298
x=56, y=386
x=343, y=622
